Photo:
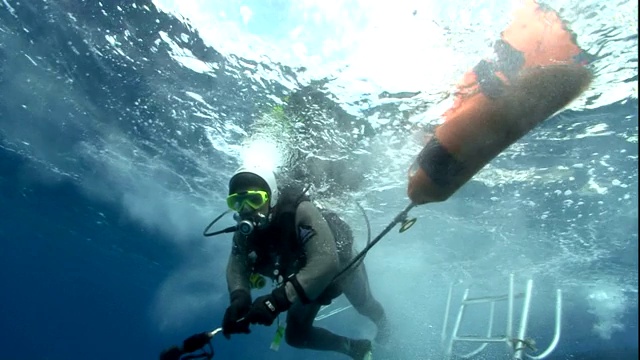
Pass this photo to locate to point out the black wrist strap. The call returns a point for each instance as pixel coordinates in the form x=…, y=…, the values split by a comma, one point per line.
x=293, y=279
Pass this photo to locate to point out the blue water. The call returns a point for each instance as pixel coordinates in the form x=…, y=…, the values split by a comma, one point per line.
x=107, y=179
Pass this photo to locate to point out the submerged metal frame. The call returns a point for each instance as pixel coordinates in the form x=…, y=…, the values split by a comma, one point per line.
x=517, y=345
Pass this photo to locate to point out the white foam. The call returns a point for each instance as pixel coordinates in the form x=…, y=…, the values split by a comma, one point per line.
x=608, y=303
x=601, y=190
x=186, y=57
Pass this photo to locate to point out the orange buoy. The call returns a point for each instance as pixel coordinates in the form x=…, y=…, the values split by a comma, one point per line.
x=497, y=102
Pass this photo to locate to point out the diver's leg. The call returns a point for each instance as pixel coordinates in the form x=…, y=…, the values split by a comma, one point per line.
x=300, y=333
x=356, y=289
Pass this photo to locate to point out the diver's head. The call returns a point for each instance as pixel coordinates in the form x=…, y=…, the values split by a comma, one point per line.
x=253, y=192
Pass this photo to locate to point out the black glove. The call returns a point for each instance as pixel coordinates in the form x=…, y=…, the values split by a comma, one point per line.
x=172, y=353
x=266, y=308
x=240, y=305
x=195, y=342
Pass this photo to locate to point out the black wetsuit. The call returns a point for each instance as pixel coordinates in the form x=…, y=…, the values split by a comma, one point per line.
x=300, y=242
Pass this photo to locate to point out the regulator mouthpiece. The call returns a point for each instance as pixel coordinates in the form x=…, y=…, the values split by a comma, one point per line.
x=245, y=227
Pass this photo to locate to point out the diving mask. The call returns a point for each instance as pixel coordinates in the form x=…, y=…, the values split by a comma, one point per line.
x=254, y=199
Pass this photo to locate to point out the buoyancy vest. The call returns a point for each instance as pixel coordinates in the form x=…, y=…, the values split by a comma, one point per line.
x=278, y=250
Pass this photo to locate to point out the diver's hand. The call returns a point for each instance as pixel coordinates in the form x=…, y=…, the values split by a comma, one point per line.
x=233, y=322
x=266, y=308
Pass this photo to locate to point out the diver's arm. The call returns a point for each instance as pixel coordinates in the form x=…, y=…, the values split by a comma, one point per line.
x=237, y=267
x=322, y=258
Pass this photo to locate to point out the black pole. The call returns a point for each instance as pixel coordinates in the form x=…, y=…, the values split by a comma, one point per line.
x=398, y=219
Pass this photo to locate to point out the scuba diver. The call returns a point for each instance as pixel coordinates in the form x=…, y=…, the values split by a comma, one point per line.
x=281, y=235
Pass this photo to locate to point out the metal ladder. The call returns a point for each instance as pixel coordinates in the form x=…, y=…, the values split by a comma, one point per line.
x=516, y=345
